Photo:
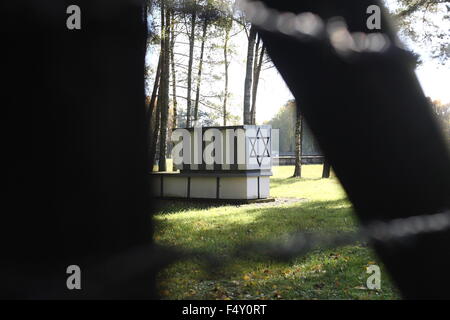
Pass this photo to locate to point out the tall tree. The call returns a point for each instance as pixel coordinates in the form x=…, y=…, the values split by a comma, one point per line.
x=164, y=92
x=249, y=75
x=154, y=133
x=152, y=104
x=259, y=58
x=174, y=82
x=326, y=169
x=228, y=27
x=298, y=145
x=200, y=66
x=173, y=69
x=193, y=21
x=284, y=121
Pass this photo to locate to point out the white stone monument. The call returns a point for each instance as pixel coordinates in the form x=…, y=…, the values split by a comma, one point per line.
x=223, y=163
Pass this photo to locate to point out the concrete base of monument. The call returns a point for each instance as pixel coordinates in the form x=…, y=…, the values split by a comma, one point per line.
x=219, y=202
x=228, y=186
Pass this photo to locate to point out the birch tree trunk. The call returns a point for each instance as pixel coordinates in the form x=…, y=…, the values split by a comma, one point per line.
x=227, y=64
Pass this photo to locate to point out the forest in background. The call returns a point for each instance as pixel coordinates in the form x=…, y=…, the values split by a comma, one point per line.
x=191, y=42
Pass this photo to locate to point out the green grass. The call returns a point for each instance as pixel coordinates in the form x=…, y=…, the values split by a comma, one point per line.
x=338, y=273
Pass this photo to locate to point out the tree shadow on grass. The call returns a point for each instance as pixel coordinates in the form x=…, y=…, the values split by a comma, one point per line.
x=325, y=274
x=222, y=233
x=344, y=267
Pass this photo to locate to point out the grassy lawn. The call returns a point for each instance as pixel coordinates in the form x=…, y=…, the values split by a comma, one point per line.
x=323, y=274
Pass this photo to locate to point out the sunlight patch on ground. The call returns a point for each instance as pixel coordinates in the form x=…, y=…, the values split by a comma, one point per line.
x=338, y=273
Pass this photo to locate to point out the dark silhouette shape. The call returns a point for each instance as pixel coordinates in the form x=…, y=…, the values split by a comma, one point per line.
x=76, y=152
x=374, y=105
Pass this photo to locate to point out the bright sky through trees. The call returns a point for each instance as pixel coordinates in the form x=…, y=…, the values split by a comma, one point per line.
x=273, y=93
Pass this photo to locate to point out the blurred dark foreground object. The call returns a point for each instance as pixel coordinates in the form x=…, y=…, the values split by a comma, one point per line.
x=375, y=126
x=76, y=152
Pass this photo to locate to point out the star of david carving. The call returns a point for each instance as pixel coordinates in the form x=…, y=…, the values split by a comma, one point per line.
x=254, y=152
